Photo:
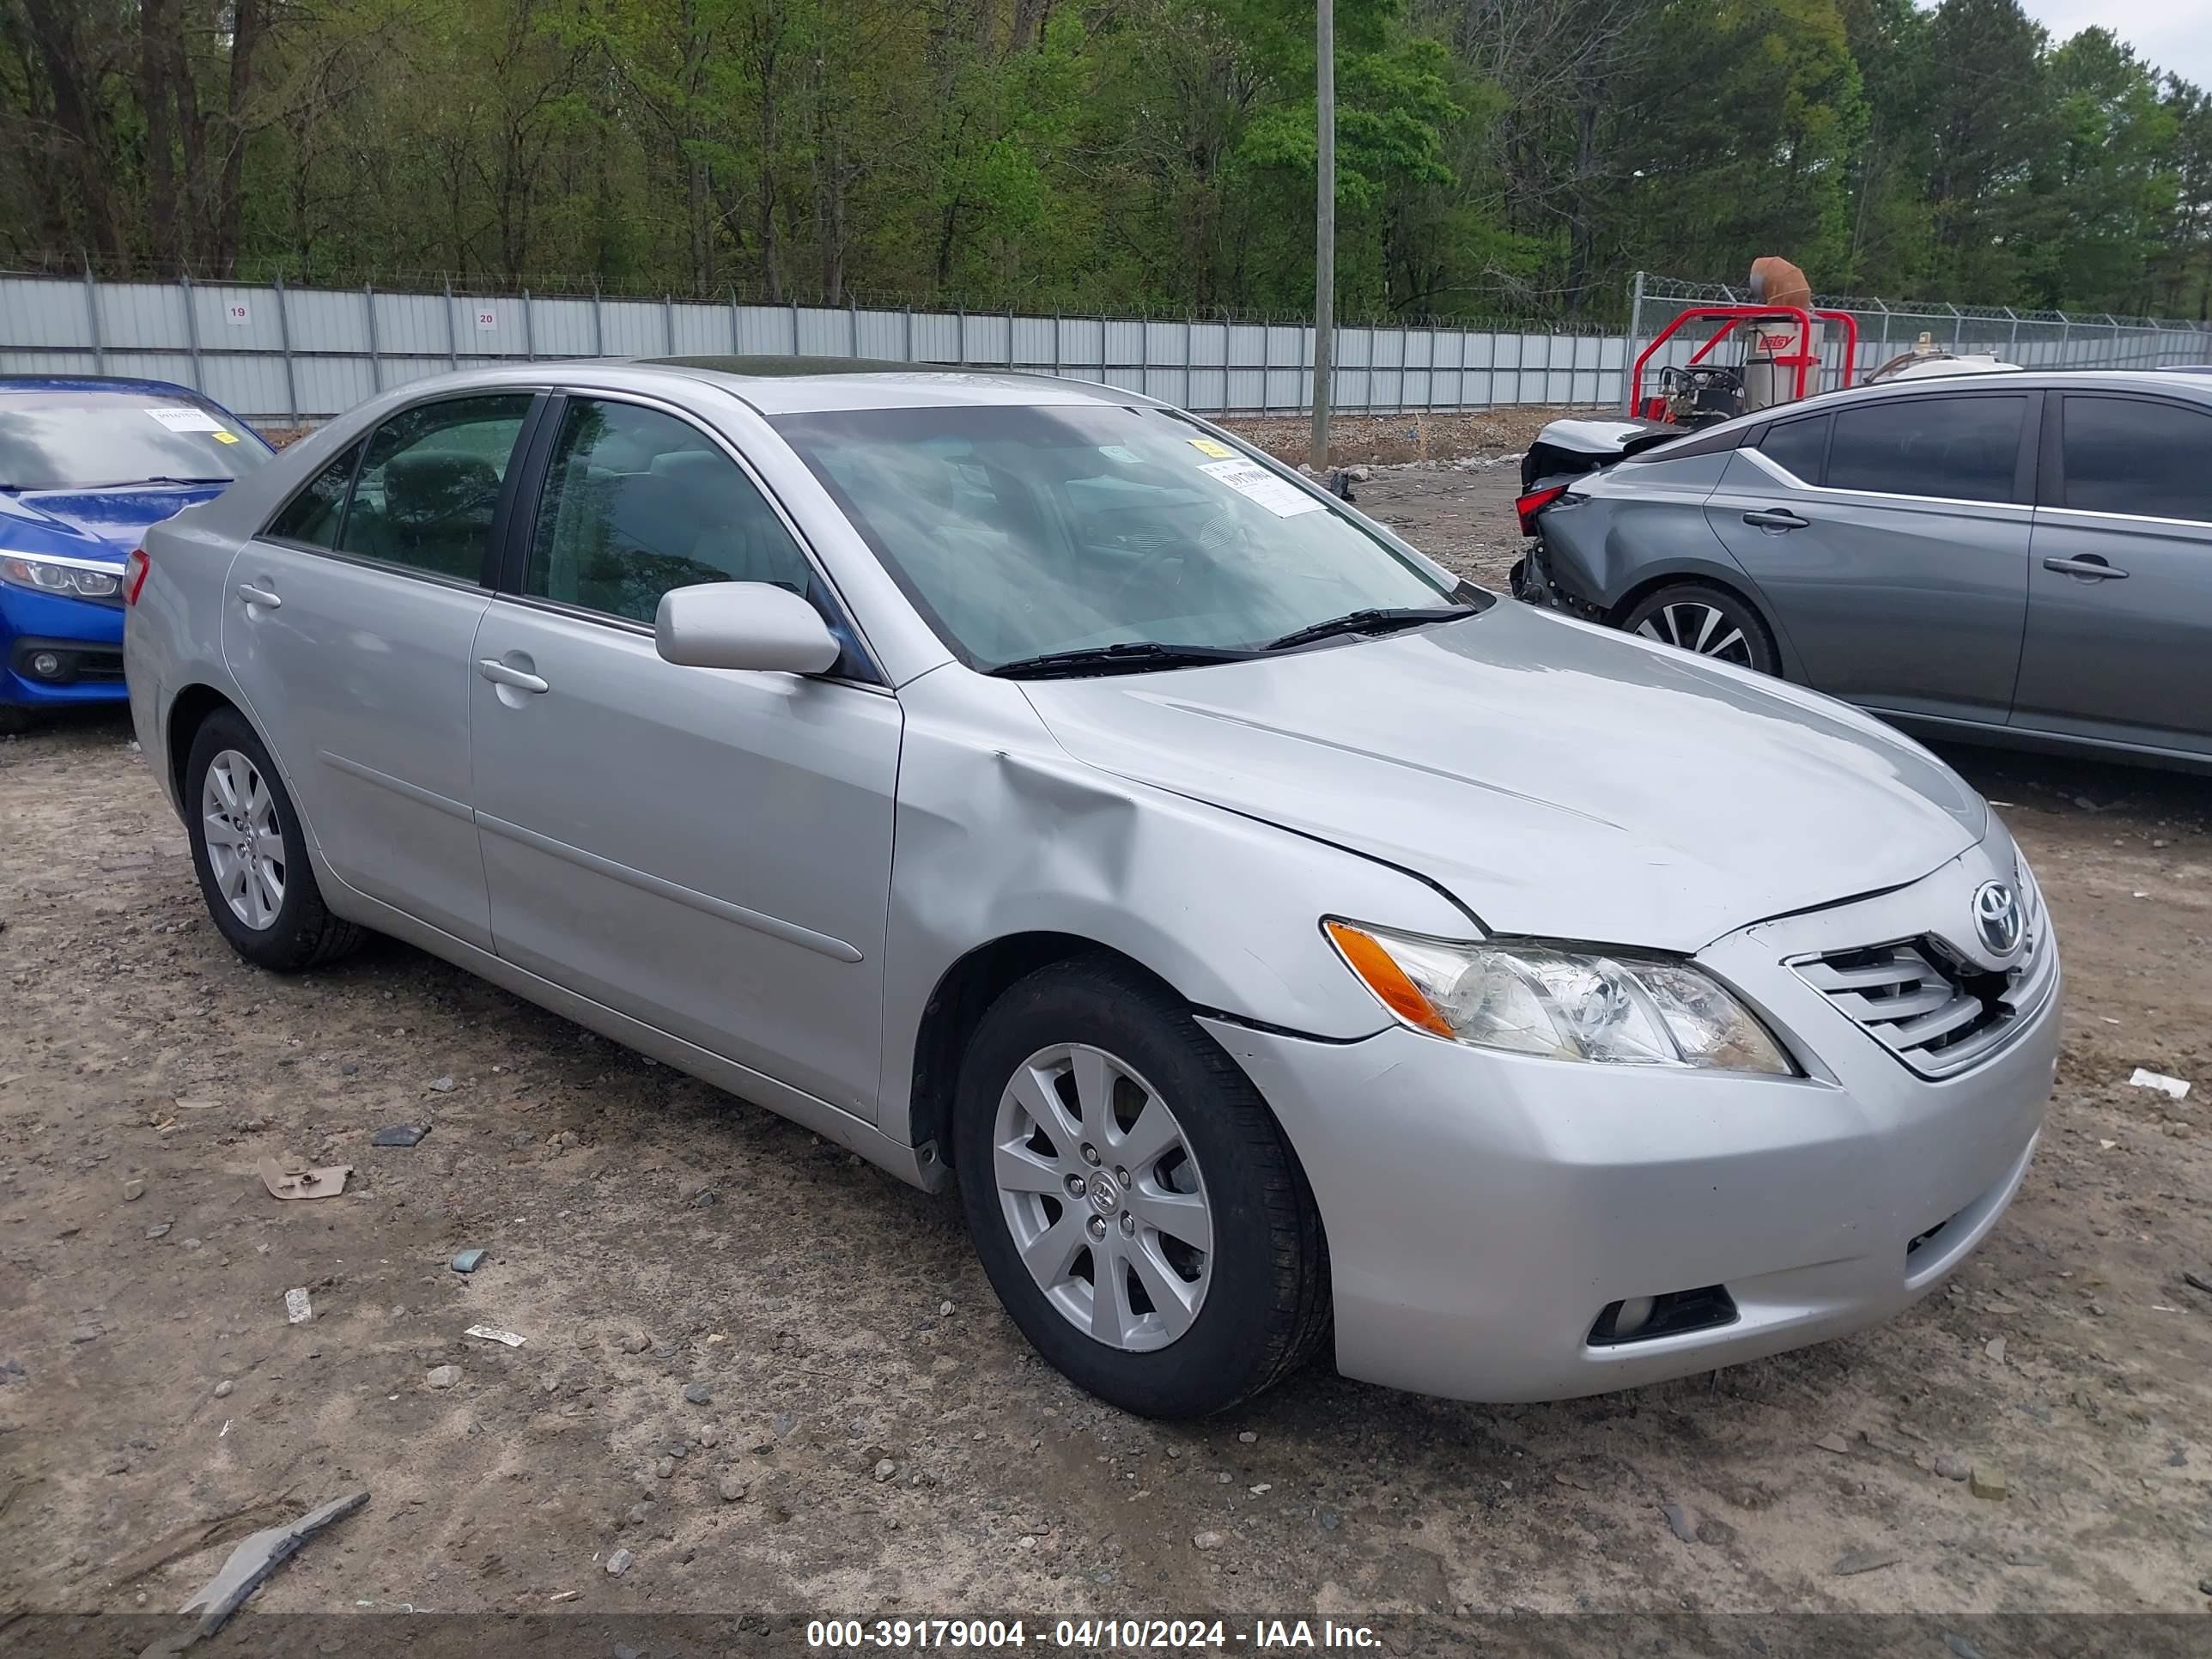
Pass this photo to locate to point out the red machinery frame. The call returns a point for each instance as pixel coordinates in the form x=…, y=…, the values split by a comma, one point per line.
x=1803, y=360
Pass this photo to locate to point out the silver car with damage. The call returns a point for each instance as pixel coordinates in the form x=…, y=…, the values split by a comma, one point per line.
x=1281, y=943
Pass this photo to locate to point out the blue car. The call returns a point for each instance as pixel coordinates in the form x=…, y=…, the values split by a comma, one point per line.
x=86, y=465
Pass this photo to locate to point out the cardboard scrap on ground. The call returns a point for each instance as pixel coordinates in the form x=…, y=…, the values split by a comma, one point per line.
x=2177, y=1087
x=302, y=1182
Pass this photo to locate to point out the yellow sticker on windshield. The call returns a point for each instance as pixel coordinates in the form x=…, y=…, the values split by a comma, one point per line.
x=1218, y=451
x=226, y=437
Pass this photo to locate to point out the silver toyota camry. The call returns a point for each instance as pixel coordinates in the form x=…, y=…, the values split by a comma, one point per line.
x=1281, y=944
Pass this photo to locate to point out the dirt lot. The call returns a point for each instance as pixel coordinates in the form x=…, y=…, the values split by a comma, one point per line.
x=874, y=1434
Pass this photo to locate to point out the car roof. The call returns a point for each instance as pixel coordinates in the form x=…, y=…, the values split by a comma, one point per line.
x=795, y=386
x=2193, y=385
x=120, y=385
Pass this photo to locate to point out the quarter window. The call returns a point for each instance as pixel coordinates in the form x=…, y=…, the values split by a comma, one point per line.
x=1799, y=447
x=1963, y=448
x=314, y=514
x=2131, y=455
x=429, y=484
x=637, y=502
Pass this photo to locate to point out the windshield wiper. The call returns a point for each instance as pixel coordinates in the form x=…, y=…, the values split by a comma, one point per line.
x=140, y=483
x=1124, y=657
x=1376, y=620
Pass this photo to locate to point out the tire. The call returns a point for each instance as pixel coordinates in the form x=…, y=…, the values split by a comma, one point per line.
x=1708, y=619
x=1239, y=1315
x=15, y=719
x=288, y=927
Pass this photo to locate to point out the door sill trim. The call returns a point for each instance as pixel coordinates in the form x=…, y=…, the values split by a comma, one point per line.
x=917, y=1166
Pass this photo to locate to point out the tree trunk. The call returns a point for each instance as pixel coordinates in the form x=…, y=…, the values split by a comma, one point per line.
x=78, y=116
x=156, y=27
x=248, y=22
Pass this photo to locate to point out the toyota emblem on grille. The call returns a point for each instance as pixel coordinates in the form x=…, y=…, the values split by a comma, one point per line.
x=1997, y=918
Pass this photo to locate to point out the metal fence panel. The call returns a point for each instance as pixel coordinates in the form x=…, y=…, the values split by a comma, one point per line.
x=275, y=353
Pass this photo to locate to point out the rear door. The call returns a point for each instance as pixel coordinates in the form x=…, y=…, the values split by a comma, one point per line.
x=1890, y=538
x=2119, y=616
x=348, y=625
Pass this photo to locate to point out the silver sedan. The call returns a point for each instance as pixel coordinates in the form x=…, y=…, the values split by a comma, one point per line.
x=1282, y=943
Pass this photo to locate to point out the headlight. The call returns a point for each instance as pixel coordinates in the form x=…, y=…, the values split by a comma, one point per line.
x=72, y=581
x=1564, y=1005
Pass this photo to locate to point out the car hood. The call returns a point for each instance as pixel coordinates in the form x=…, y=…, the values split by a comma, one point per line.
x=1557, y=779
x=91, y=524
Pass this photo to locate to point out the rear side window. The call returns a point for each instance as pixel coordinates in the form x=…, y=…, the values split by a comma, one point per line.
x=1962, y=449
x=1799, y=447
x=313, y=515
x=2129, y=455
x=429, y=484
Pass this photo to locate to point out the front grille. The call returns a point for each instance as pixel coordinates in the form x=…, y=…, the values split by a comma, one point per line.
x=1928, y=1004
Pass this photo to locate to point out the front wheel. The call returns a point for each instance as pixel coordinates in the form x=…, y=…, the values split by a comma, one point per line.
x=250, y=851
x=1708, y=620
x=1132, y=1200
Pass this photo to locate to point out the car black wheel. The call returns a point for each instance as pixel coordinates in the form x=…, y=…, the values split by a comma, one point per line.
x=15, y=719
x=1131, y=1198
x=1708, y=620
x=250, y=852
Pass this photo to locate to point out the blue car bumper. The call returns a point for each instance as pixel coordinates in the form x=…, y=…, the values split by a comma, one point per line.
x=83, y=639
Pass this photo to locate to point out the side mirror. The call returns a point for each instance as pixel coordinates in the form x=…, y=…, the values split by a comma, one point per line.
x=752, y=625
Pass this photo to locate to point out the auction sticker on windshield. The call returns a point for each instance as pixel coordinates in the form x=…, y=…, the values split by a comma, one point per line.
x=1282, y=499
x=186, y=420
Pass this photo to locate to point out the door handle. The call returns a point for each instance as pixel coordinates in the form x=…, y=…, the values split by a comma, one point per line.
x=2088, y=565
x=500, y=674
x=1776, y=518
x=261, y=596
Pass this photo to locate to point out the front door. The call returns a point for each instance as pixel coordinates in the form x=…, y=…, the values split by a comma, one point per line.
x=347, y=626
x=704, y=849
x=2119, y=615
x=1890, y=536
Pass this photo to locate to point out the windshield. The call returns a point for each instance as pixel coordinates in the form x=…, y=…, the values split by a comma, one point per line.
x=1021, y=532
x=98, y=439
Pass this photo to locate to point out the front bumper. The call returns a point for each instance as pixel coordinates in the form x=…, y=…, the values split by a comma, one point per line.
x=1482, y=1209
x=84, y=638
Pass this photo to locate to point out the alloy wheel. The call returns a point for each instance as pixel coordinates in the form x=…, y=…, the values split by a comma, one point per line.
x=1103, y=1195
x=244, y=838
x=1700, y=628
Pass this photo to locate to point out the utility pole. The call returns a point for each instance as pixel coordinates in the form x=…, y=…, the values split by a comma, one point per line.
x=1324, y=229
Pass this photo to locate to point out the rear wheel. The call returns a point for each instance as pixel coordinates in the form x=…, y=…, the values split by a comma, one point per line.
x=1131, y=1197
x=1707, y=620
x=250, y=852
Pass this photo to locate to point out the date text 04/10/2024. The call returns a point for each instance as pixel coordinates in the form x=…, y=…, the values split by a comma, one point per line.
x=1135, y=1635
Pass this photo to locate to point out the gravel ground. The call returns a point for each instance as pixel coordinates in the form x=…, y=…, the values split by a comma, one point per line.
x=779, y=1381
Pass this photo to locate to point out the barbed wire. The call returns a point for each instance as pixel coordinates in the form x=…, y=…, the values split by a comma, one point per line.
x=1667, y=290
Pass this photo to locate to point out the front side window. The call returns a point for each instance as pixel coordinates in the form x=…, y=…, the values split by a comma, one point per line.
x=637, y=502
x=1025, y=530
x=2130, y=455
x=102, y=440
x=312, y=516
x=429, y=484
x=1960, y=448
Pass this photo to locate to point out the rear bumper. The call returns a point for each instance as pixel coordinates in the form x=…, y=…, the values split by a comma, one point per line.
x=84, y=640
x=1483, y=1209
x=1536, y=581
